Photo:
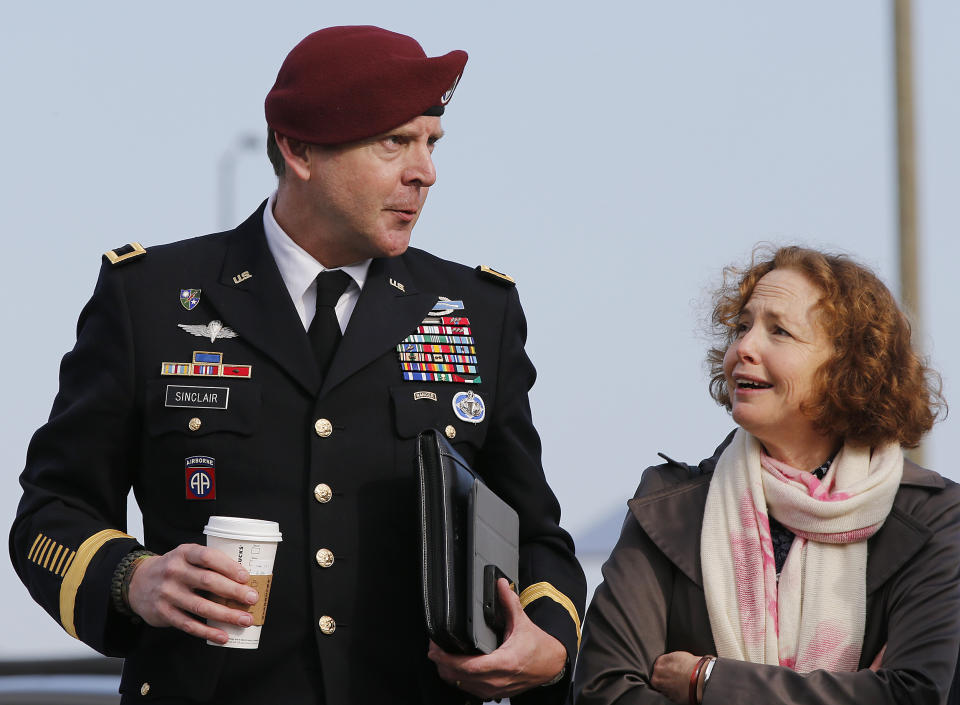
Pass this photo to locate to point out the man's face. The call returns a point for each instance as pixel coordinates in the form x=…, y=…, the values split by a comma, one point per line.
x=366, y=196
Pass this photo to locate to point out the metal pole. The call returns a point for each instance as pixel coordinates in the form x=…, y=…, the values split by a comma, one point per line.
x=907, y=179
x=226, y=177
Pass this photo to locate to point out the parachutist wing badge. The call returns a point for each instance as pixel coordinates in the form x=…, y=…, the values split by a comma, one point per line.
x=213, y=330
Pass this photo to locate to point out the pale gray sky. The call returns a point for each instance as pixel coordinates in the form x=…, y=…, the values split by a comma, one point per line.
x=611, y=156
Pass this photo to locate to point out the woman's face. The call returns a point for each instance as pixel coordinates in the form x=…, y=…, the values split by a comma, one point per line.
x=771, y=364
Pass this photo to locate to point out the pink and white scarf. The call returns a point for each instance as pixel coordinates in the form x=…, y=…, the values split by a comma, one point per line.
x=814, y=618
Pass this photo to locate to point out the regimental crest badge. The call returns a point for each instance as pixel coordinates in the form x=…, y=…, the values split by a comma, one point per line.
x=189, y=298
x=201, y=477
x=469, y=407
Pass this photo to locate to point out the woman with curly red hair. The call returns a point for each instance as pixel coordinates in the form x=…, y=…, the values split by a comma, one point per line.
x=807, y=561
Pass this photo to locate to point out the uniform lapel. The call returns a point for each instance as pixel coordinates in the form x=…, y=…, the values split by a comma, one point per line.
x=254, y=301
x=384, y=316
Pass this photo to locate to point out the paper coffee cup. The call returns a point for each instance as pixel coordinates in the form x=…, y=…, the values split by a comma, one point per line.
x=253, y=544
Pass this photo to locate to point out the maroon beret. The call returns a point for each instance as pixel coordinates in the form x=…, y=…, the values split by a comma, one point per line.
x=343, y=84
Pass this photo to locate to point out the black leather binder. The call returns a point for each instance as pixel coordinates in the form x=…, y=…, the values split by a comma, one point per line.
x=470, y=538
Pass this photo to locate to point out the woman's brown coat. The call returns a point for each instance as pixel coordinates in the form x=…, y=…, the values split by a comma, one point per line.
x=652, y=602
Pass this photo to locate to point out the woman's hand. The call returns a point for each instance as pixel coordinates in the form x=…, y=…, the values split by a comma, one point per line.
x=671, y=675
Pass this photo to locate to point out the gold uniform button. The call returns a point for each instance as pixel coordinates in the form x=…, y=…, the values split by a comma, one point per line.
x=325, y=557
x=328, y=625
x=451, y=432
x=144, y=689
x=323, y=428
x=322, y=493
x=193, y=424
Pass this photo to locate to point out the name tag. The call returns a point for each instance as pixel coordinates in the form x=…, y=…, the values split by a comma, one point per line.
x=197, y=397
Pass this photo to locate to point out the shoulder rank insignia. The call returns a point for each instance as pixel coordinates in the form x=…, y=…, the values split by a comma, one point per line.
x=125, y=253
x=496, y=276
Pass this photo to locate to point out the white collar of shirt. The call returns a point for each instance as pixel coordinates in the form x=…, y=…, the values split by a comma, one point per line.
x=299, y=271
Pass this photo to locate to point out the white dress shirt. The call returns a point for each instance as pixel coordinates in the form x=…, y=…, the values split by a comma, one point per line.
x=299, y=271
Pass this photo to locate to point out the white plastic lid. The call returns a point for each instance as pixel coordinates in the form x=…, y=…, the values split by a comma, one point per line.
x=243, y=529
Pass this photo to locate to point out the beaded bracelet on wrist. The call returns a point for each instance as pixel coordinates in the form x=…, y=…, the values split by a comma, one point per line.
x=122, y=575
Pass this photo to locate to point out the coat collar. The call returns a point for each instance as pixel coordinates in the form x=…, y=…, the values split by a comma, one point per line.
x=252, y=297
x=673, y=518
x=384, y=316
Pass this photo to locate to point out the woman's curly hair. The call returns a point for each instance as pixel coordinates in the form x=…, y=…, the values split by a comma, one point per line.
x=874, y=389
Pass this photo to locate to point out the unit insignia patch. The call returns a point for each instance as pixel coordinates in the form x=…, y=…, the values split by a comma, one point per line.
x=201, y=477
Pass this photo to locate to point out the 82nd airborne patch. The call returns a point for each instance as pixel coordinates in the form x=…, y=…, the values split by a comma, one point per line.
x=201, y=477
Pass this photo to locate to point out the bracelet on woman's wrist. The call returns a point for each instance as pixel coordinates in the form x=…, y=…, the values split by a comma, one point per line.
x=707, y=670
x=695, y=680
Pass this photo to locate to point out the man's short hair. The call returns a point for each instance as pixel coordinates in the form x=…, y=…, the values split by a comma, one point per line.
x=275, y=155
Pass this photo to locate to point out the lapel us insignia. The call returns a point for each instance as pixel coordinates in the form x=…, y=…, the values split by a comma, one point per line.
x=445, y=306
x=205, y=364
x=213, y=330
x=201, y=477
x=469, y=407
x=189, y=298
x=397, y=285
x=242, y=277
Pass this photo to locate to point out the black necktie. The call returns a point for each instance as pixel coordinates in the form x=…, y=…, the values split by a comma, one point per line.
x=324, y=331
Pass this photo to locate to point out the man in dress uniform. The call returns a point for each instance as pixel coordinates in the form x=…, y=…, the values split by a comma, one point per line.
x=210, y=376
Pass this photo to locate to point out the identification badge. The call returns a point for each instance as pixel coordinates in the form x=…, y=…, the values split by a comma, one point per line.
x=197, y=397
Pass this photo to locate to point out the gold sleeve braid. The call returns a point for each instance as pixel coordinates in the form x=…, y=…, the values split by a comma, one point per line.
x=50, y=555
x=544, y=589
x=78, y=569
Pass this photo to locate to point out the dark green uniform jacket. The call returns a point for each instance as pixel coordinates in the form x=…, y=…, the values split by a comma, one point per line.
x=118, y=423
